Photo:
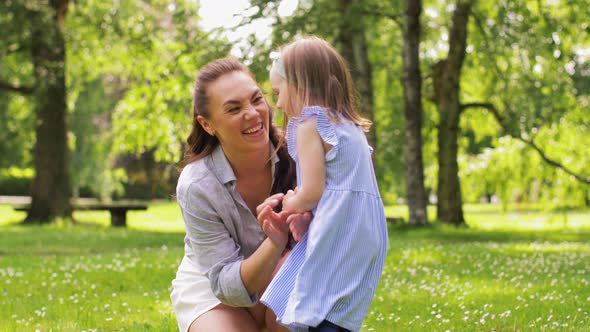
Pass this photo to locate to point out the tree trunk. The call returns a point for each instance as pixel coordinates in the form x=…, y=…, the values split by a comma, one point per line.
x=355, y=50
x=50, y=192
x=446, y=77
x=417, y=200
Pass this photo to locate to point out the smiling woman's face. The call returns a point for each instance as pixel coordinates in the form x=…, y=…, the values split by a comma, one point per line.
x=238, y=113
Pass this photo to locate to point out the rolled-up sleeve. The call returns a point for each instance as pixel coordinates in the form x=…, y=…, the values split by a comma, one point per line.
x=217, y=255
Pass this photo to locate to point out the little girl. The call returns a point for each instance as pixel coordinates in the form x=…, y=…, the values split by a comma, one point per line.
x=328, y=281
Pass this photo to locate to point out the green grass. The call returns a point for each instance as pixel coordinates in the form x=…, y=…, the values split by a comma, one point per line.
x=524, y=270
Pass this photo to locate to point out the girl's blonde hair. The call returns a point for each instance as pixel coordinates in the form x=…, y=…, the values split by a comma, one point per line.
x=320, y=76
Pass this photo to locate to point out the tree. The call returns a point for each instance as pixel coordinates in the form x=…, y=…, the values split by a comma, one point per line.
x=417, y=199
x=44, y=40
x=16, y=86
x=522, y=72
x=143, y=55
x=446, y=78
x=50, y=192
x=353, y=41
x=132, y=71
x=535, y=53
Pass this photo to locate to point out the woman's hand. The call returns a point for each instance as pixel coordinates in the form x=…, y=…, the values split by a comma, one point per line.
x=273, y=224
x=278, y=225
x=272, y=201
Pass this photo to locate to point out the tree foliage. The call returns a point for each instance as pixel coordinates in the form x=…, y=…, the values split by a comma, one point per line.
x=131, y=65
x=525, y=61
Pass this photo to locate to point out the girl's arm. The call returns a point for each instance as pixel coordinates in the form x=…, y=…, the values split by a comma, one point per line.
x=311, y=153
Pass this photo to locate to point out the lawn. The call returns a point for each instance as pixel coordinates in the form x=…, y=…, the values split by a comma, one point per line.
x=524, y=270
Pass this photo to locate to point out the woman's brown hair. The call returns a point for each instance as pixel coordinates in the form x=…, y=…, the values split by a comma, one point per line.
x=320, y=76
x=200, y=144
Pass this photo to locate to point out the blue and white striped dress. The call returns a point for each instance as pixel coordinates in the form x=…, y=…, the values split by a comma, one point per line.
x=333, y=272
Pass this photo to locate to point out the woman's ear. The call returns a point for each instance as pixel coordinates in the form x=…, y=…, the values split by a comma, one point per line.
x=206, y=125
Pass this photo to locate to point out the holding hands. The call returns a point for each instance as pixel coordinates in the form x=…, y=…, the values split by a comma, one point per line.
x=277, y=225
x=289, y=200
x=273, y=223
x=298, y=221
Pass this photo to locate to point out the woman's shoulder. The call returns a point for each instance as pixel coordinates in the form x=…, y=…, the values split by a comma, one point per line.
x=195, y=174
x=194, y=170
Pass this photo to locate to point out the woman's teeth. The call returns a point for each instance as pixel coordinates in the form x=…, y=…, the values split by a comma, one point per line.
x=253, y=130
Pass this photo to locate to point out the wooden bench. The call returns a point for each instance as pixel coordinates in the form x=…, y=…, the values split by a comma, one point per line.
x=118, y=210
x=395, y=220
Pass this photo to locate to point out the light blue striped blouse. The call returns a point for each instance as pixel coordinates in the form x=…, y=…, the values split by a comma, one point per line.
x=333, y=272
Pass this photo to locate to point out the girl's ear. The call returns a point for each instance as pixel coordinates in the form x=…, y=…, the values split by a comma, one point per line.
x=206, y=125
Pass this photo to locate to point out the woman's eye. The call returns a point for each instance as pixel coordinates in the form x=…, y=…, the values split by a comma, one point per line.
x=258, y=99
x=233, y=109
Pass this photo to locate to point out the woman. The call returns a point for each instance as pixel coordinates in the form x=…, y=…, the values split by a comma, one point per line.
x=230, y=168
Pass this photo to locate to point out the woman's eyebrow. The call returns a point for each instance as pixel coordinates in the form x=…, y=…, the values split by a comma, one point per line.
x=256, y=92
x=231, y=101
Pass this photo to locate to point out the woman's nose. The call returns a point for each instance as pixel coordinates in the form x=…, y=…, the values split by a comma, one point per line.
x=251, y=111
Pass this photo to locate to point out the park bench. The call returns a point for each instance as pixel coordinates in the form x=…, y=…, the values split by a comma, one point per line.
x=118, y=210
x=395, y=220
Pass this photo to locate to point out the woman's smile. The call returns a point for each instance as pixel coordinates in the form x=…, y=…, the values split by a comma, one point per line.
x=255, y=130
x=239, y=114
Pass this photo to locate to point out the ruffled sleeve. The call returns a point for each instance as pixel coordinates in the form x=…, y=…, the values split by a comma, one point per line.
x=325, y=128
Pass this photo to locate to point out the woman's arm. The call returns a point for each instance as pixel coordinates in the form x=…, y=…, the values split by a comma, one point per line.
x=311, y=153
x=217, y=254
x=257, y=270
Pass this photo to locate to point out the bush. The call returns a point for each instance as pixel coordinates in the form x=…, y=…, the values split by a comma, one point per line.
x=16, y=181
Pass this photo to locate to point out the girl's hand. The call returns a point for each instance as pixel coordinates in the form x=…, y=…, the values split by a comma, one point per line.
x=299, y=224
x=289, y=200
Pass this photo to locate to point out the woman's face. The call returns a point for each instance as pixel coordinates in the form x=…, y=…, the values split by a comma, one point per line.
x=238, y=113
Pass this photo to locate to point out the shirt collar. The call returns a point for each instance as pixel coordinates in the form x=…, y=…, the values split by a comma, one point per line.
x=221, y=167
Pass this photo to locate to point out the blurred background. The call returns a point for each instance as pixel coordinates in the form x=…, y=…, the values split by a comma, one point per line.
x=481, y=118
x=472, y=101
